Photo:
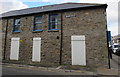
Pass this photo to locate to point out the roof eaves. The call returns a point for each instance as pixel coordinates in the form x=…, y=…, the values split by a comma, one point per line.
x=53, y=9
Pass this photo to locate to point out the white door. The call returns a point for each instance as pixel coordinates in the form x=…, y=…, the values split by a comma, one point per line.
x=36, y=54
x=14, y=53
x=78, y=50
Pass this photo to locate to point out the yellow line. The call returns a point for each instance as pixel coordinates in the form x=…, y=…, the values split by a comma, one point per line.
x=18, y=67
x=39, y=68
x=78, y=71
x=9, y=66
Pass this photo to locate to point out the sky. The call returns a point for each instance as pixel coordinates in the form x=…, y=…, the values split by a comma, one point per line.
x=112, y=9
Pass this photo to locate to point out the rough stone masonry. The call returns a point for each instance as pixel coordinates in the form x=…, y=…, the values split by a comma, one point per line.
x=89, y=21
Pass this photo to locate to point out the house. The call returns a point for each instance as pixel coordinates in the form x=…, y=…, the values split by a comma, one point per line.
x=68, y=33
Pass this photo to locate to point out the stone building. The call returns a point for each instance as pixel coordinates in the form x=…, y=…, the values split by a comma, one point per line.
x=69, y=33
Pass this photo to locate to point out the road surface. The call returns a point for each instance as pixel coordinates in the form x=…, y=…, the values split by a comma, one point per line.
x=11, y=71
x=19, y=70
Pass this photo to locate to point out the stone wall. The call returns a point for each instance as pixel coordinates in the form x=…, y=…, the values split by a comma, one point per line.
x=1, y=39
x=50, y=43
x=89, y=22
x=4, y=22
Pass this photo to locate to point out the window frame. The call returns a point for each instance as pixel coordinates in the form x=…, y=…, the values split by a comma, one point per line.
x=34, y=27
x=50, y=21
x=14, y=25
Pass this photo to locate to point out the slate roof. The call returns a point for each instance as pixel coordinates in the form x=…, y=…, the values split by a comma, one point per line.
x=48, y=8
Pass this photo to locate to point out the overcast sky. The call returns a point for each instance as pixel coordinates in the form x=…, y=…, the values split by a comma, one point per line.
x=112, y=10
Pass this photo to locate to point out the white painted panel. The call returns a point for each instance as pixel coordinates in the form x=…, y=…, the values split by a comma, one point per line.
x=79, y=38
x=14, y=53
x=36, y=55
x=78, y=50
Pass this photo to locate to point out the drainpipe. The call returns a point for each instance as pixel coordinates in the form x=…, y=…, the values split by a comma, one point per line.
x=5, y=40
x=107, y=42
x=108, y=50
x=61, y=45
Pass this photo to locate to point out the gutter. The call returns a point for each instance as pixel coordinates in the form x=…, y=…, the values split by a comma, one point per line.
x=109, y=65
x=50, y=10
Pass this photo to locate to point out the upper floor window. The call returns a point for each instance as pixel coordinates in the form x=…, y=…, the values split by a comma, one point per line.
x=37, y=23
x=16, y=25
x=53, y=22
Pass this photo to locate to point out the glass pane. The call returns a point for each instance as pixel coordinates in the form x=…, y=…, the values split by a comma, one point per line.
x=38, y=20
x=53, y=18
x=53, y=25
x=56, y=25
x=17, y=21
x=56, y=18
x=38, y=27
x=53, y=21
x=17, y=27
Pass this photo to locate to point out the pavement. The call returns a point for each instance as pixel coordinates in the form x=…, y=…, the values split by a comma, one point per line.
x=115, y=67
x=115, y=63
x=104, y=71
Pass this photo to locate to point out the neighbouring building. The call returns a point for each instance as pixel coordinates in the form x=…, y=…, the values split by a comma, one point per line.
x=116, y=39
x=68, y=33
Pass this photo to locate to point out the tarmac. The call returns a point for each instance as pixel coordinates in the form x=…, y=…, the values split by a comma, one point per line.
x=114, y=71
x=100, y=71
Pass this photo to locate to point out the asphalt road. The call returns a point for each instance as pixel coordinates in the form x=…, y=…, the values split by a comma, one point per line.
x=7, y=70
x=10, y=71
x=15, y=70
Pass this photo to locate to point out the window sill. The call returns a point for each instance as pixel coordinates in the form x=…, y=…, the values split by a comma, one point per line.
x=16, y=31
x=37, y=31
x=53, y=30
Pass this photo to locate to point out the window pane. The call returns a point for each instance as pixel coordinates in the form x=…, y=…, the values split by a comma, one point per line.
x=38, y=20
x=53, y=21
x=54, y=25
x=17, y=24
x=38, y=27
x=53, y=18
x=17, y=21
x=17, y=28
